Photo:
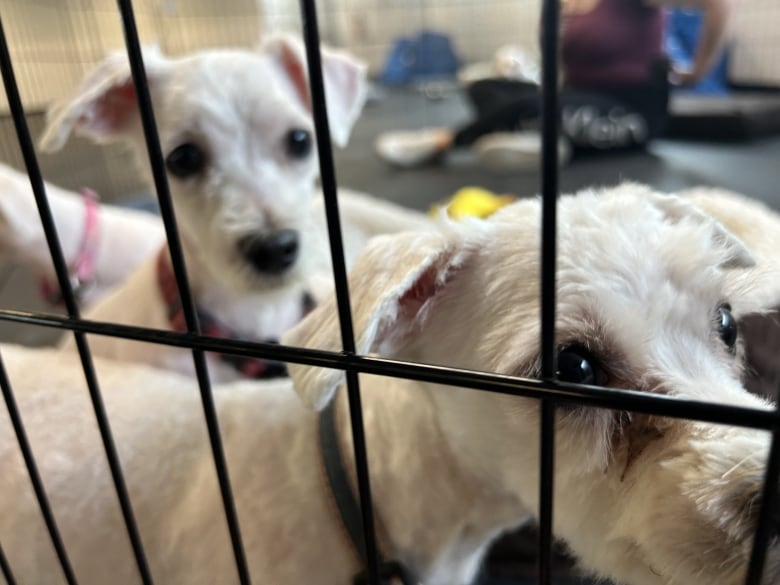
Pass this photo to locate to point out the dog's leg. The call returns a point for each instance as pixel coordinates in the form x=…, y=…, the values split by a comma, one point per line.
x=21, y=236
x=362, y=217
x=123, y=238
x=375, y=217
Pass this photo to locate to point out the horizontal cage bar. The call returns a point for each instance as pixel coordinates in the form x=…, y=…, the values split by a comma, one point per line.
x=593, y=396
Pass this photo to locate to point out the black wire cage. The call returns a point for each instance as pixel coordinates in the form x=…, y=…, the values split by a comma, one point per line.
x=547, y=390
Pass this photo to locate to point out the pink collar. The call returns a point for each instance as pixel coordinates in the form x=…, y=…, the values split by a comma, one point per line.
x=84, y=266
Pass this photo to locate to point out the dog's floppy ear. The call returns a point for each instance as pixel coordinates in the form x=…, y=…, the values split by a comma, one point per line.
x=393, y=288
x=344, y=76
x=676, y=209
x=759, y=227
x=754, y=293
x=104, y=105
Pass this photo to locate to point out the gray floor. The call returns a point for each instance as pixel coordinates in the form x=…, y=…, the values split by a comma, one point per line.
x=750, y=168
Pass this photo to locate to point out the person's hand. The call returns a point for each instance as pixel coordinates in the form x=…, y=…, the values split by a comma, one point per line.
x=682, y=76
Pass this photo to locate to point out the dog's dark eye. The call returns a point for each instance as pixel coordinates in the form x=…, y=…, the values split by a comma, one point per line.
x=727, y=327
x=298, y=143
x=185, y=160
x=577, y=365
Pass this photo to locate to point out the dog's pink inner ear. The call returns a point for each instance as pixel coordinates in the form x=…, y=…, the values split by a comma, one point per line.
x=424, y=288
x=397, y=329
x=112, y=111
x=296, y=71
x=415, y=303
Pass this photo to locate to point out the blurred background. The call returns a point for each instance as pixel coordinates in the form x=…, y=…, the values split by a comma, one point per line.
x=422, y=57
x=421, y=53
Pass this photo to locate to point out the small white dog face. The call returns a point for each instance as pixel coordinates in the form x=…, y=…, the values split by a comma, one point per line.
x=645, y=301
x=238, y=140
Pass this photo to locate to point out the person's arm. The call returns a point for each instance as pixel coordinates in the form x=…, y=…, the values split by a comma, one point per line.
x=714, y=33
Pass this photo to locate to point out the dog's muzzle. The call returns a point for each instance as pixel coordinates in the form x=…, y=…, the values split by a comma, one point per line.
x=273, y=254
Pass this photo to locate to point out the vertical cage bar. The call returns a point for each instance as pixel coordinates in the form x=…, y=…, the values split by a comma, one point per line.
x=767, y=512
x=550, y=122
x=5, y=568
x=329, y=188
x=35, y=477
x=546, y=477
x=156, y=161
x=63, y=279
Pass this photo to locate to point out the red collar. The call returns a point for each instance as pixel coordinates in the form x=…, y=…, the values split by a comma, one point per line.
x=247, y=366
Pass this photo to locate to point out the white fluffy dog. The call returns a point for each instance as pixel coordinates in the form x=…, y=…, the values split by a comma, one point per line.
x=649, y=289
x=237, y=135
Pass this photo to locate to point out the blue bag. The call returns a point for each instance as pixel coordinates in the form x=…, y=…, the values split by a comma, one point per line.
x=425, y=57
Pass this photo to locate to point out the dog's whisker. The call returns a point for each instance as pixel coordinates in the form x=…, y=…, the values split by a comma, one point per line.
x=737, y=465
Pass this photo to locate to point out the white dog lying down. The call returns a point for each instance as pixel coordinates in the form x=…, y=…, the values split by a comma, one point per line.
x=644, y=287
x=237, y=134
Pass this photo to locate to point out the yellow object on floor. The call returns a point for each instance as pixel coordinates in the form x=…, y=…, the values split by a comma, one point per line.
x=474, y=202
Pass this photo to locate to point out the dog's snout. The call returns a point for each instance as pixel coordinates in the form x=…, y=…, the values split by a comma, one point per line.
x=273, y=254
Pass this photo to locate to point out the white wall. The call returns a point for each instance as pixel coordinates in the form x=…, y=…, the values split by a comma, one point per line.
x=53, y=43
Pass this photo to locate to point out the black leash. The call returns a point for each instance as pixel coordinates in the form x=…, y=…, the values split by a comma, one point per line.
x=347, y=504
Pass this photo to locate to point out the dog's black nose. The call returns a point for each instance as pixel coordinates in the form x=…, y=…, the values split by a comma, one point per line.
x=273, y=254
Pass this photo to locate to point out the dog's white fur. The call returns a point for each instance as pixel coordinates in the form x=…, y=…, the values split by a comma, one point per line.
x=238, y=107
x=258, y=315
x=643, y=500
x=755, y=223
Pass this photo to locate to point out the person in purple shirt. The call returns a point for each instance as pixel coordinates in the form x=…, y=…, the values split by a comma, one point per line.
x=614, y=94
